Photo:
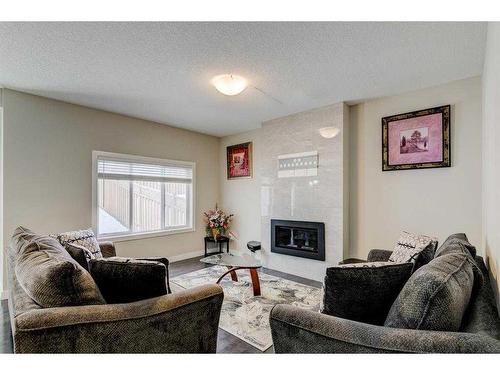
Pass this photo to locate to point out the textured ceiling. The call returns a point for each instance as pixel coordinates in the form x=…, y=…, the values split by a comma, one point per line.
x=162, y=71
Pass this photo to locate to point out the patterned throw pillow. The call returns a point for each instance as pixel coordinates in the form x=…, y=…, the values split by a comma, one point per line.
x=409, y=246
x=85, y=239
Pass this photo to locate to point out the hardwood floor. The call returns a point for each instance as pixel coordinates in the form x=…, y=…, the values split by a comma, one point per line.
x=226, y=342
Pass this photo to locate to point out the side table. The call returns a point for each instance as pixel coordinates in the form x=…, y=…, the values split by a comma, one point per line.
x=222, y=242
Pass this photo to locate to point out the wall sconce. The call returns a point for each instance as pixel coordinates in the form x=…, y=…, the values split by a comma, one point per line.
x=329, y=132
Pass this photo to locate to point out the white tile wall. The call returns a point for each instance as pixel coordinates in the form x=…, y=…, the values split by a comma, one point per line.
x=310, y=198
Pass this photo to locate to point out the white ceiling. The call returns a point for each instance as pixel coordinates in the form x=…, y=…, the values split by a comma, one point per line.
x=162, y=71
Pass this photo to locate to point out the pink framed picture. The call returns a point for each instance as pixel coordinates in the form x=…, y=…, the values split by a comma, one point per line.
x=419, y=139
x=239, y=161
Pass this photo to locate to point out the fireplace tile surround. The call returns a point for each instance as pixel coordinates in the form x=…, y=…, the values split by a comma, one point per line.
x=318, y=198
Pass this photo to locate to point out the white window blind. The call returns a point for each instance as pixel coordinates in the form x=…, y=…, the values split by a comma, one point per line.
x=136, y=171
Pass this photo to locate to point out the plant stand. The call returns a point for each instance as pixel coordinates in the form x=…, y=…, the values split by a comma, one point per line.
x=222, y=242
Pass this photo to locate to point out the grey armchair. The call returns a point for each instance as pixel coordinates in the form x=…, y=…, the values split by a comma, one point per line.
x=295, y=330
x=183, y=322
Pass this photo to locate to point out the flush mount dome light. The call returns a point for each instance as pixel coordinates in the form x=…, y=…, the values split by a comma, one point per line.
x=329, y=132
x=229, y=84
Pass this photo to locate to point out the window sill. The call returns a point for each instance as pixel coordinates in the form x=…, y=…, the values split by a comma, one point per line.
x=140, y=236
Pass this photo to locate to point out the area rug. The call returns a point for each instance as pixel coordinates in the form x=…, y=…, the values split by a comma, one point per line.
x=244, y=315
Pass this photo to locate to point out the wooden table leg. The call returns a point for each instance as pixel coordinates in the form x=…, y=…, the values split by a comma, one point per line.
x=255, y=281
x=231, y=270
x=234, y=277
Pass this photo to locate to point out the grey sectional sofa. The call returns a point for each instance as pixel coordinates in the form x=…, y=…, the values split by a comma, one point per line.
x=296, y=330
x=184, y=322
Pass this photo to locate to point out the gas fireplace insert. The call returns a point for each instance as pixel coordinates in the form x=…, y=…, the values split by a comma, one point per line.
x=305, y=239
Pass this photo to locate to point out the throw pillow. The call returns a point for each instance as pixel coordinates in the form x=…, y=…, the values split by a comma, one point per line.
x=123, y=280
x=436, y=296
x=363, y=292
x=85, y=238
x=49, y=275
x=409, y=246
x=78, y=253
x=426, y=255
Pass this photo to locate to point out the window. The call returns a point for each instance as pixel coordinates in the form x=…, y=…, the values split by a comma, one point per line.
x=137, y=195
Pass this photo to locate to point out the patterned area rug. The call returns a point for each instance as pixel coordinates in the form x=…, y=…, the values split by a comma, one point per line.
x=244, y=315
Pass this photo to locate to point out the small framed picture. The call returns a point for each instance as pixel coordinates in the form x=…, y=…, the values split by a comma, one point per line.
x=416, y=140
x=239, y=161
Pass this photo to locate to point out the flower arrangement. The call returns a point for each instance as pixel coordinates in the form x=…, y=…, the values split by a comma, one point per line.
x=217, y=223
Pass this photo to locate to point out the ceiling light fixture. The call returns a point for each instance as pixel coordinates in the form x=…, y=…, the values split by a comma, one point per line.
x=229, y=84
x=329, y=132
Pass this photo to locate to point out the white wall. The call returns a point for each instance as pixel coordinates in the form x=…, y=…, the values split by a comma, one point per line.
x=491, y=154
x=48, y=167
x=242, y=196
x=437, y=202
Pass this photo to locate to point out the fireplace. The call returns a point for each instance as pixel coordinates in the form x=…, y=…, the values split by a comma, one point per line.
x=305, y=239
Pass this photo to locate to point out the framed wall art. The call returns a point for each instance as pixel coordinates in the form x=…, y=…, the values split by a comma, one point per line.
x=415, y=140
x=239, y=161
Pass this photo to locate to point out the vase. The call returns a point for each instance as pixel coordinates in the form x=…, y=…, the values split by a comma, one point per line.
x=218, y=232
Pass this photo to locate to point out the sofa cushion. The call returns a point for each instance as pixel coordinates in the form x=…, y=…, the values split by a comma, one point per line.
x=363, y=291
x=78, y=253
x=482, y=314
x=123, y=280
x=49, y=275
x=20, y=239
x=436, y=296
x=409, y=246
x=85, y=238
x=456, y=242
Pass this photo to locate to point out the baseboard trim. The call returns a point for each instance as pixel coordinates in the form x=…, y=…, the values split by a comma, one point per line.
x=178, y=258
x=4, y=294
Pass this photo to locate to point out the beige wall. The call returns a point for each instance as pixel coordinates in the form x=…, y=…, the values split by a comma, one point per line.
x=47, y=170
x=48, y=167
x=242, y=197
x=434, y=201
x=449, y=199
x=491, y=154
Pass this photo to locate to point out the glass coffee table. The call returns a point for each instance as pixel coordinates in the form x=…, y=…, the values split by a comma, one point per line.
x=234, y=263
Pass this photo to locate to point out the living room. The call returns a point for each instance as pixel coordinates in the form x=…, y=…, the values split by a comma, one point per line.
x=279, y=197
